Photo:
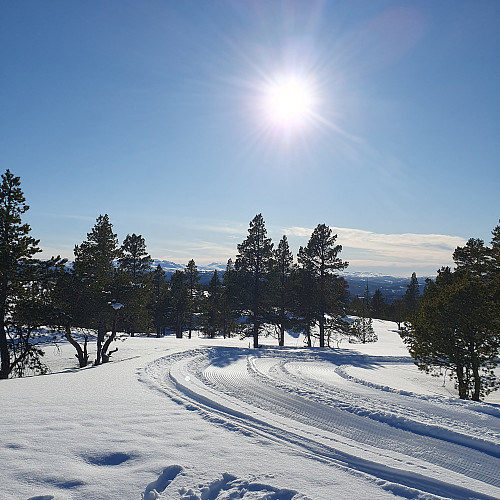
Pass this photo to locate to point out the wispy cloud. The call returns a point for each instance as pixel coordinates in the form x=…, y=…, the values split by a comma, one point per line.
x=203, y=252
x=408, y=250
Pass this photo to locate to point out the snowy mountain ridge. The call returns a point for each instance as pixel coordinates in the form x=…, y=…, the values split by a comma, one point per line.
x=392, y=287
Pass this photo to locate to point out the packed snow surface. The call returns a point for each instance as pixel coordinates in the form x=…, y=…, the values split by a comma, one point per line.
x=207, y=419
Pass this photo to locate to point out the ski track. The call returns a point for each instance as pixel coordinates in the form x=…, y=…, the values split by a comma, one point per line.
x=416, y=446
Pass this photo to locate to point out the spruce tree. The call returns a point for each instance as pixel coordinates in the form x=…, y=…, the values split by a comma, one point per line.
x=17, y=249
x=320, y=260
x=253, y=266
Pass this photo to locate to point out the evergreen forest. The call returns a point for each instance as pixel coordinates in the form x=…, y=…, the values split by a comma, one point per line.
x=112, y=290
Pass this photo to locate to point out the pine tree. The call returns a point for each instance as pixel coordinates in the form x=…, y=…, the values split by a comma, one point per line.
x=135, y=260
x=253, y=266
x=230, y=301
x=378, y=305
x=494, y=271
x=192, y=279
x=411, y=296
x=458, y=323
x=33, y=308
x=94, y=265
x=178, y=302
x=320, y=260
x=283, y=263
x=70, y=311
x=473, y=257
x=212, y=316
x=136, y=263
x=457, y=328
x=304, y=303
x=159, y=299
x=361, y=330
x=495, y=252
x=397, y=312
x=17, y=249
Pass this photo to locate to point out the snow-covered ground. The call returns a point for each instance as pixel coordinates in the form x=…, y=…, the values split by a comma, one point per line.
x=213, y=419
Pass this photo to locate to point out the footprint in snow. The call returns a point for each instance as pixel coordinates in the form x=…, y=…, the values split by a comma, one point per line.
x=108, y=458
x=156, y=488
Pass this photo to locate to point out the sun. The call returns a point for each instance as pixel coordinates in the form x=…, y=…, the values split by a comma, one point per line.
x=289, y=102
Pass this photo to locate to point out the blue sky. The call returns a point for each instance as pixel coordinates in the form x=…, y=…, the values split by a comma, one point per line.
x=153, y=112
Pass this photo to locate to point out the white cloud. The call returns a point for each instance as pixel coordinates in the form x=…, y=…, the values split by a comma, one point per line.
x=368, y=249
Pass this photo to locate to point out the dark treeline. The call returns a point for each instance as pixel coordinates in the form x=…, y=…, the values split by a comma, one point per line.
x=112, y=287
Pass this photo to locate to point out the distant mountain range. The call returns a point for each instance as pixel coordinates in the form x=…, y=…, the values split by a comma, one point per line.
x=391, y=287
x=169, y=266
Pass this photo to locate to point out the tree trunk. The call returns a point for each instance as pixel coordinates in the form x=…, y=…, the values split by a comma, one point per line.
x=81, y=354
x=475, y=372
x=462, y=384
x=322, y=331
x=256, y=334
x=5, y=355
x=4, y=346
x=101, y=332
x=105, y=354
x=308, y=333
x=281, y=338
x=178, y=330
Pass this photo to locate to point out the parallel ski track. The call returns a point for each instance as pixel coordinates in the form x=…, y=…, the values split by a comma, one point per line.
x=307, y=401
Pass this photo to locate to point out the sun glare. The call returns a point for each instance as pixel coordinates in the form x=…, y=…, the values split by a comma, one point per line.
x=289, y=102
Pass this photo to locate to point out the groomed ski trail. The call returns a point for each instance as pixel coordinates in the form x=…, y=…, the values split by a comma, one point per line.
x=415, y=446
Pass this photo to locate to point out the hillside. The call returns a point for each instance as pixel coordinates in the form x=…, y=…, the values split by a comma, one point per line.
x=211, y=420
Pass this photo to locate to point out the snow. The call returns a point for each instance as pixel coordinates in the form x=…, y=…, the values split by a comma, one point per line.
x=207, y=419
